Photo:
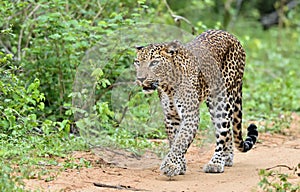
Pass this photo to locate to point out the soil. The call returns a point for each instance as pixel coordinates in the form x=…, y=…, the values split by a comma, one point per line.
x=115, y=170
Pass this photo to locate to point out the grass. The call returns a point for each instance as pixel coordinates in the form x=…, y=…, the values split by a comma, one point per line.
x=29, y=157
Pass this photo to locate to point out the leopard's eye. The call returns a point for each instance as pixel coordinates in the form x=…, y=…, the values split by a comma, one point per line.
x=153, y=63
x=136, y=62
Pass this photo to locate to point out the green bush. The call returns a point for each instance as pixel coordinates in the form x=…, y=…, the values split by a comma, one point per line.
x=277, y=181
x=49, y=39
x=20, y=104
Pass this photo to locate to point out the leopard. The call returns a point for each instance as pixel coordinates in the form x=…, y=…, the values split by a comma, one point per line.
x=208, y=69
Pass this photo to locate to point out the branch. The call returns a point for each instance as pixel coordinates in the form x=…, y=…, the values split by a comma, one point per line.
x=100, y=10
x=125, y=109
x=168, y=7
x=81, y=7
x=22, y=31
x=178, y=18
x=5, y=48
x=235, y=16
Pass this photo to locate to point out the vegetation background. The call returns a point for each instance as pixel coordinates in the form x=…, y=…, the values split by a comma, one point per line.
x=42, y=44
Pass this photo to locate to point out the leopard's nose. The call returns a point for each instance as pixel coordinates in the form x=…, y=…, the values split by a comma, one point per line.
x=141, y=79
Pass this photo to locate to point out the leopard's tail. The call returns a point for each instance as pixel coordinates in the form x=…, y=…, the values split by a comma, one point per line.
x=247, y=144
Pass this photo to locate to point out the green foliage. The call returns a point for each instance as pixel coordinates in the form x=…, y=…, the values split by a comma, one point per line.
x=270, y=85
x=26, y=135
x=9, y=182
x=50, y=38
x=19, y=104
x=276, y=181
x=73, y=164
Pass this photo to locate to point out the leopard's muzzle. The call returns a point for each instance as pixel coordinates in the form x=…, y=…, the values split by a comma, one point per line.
x=148, y=87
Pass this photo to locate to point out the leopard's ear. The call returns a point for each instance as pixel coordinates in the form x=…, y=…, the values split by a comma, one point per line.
x=172, y=47
x=139, y=47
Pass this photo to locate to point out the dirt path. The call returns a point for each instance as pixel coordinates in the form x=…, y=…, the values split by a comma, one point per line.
x=271, y=150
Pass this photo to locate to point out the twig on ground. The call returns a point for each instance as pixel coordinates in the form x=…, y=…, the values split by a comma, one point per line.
x=289, y=168
x=121, y=187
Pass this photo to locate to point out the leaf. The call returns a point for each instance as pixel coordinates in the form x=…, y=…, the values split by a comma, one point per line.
x=55, y=36
x=97, y=73
x=41, y=106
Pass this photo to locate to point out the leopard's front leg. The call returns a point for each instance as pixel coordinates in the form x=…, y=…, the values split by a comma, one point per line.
x=187, y=105
x=172, y=119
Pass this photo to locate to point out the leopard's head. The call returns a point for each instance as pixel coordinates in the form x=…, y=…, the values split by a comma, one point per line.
x=154, y=63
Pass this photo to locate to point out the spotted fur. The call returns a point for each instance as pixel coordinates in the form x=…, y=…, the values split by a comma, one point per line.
x=210, y=68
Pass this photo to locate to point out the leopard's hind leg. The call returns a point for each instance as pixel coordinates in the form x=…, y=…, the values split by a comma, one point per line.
x=221, y=114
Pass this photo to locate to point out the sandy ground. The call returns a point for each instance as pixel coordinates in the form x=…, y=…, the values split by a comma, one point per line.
x=122, y=169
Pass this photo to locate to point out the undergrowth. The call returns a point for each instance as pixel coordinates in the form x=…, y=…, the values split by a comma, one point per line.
x=280, y=181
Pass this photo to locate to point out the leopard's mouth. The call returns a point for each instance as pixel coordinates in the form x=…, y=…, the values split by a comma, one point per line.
x=150, y=89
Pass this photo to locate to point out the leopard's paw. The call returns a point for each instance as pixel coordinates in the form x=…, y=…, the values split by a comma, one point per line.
x=229, y=160
x=173, y=165
x=214, y=168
